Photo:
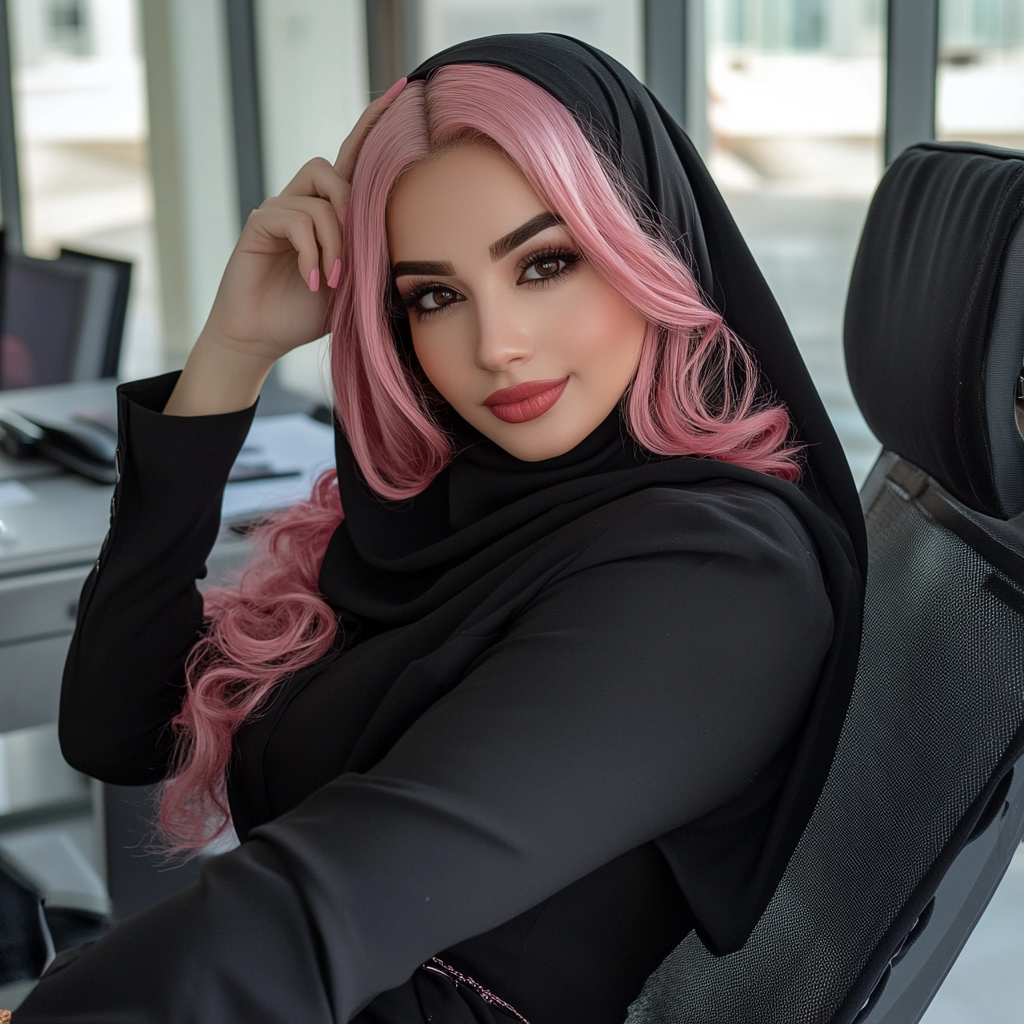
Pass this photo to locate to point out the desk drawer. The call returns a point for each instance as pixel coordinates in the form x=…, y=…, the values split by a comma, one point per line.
x=33, y=772
x=40, y=604
x=37, y=617
x=30, y=675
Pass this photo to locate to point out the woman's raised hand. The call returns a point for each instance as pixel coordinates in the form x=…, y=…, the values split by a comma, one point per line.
x=274, y=293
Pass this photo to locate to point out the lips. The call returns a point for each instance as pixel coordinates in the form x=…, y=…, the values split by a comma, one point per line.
x=525, y=401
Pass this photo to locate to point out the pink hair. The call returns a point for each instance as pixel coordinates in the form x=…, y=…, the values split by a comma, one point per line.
x=694, y=393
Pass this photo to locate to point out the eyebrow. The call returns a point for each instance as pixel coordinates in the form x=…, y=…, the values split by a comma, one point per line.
x=504, y=245
x=498, y=250
x=427, y=268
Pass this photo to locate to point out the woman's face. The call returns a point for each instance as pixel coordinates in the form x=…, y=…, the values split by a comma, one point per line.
x=511, y=325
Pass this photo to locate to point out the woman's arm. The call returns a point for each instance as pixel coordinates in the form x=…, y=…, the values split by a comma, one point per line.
x=634, y=695
x=140, y=611
x=273, y=296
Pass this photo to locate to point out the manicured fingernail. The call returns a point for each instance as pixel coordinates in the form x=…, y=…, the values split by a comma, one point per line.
x=394, y=90
x=335, y=277
x=314, y=279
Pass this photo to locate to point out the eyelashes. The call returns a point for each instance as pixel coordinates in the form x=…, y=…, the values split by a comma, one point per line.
x=431, y=292
x=432, y=298
x=568, y=257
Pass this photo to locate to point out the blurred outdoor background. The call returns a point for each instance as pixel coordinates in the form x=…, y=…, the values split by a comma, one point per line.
x=795, y=93
x=126, y=147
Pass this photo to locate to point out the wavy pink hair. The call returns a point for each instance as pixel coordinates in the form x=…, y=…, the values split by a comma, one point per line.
x=694, y=393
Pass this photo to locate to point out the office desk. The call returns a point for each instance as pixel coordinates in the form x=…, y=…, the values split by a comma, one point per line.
x=48, y=543
x=52, y=536
x=47, y=548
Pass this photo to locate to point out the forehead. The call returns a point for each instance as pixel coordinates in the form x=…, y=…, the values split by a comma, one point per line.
x=459, y=202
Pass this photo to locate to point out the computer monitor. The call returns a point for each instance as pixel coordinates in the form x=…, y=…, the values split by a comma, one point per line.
x=63, y=319
x=123, y=273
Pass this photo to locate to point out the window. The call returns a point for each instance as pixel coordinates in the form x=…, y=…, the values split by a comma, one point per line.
x=616, y=26
x=981, y=72
x=68, y=28
x=82, y=133
x=796, y=107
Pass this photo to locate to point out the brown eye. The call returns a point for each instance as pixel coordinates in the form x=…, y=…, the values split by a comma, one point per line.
x=546, y=267
x=437, y=298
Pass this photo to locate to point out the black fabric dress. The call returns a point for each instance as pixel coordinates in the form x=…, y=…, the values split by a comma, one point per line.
x=576, y=708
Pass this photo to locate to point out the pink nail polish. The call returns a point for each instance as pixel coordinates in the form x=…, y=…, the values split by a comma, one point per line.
x=314, y=279
x=395, y=90
x=335, y=276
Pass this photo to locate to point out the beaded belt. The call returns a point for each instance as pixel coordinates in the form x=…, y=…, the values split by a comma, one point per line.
x=435, y=966
x=457, y=978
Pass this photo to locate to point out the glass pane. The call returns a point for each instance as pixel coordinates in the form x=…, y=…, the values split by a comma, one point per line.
x=80, y=110
x=304, y=116
x=795, y=111
x=308, y=113
x=616, y=26
x=981, y=72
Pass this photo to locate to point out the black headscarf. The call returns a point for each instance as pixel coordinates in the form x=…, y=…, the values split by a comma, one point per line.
x=393, y=563
x=625, y=121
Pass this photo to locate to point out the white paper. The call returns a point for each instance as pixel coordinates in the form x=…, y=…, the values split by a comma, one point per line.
x=290, y=442
x=13, y=492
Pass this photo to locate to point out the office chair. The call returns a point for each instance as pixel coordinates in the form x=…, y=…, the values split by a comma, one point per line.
x=924, y=806
x=23, y=946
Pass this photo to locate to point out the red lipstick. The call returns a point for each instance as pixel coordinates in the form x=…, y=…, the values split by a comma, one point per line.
x=525, y=401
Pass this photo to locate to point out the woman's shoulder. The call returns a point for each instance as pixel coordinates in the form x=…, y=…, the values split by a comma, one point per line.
x=728, y=518
x=696, y=566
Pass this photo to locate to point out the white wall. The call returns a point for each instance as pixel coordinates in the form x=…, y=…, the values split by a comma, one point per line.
x=192, y=159
x=313, y=87
x=313, y=80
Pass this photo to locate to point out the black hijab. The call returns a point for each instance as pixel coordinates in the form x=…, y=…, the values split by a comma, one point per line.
x=392, y=563
x=624, y=120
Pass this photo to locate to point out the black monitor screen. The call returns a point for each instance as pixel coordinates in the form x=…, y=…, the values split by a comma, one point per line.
x=42, y=322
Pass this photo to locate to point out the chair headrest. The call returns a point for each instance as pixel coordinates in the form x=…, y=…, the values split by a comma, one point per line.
x=935, y=319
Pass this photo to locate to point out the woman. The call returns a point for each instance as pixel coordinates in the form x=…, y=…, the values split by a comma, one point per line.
x=565, y=681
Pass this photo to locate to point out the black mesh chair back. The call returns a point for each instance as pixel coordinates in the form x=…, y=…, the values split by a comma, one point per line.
x=924, y=805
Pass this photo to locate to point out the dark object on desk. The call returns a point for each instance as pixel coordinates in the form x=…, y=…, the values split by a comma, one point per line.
x=245, y=471
x=34, y=926
x=82, y=446
x=63, y=319
x=100, y=419
x=23, y=949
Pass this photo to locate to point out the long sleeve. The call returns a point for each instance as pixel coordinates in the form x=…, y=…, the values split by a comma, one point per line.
x=140, y=611
x=631, y=696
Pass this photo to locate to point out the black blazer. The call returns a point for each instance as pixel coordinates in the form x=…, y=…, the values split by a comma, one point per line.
x=511, y=781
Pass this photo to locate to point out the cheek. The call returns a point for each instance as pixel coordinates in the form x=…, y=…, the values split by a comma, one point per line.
x=438, y=355
x=606, y=331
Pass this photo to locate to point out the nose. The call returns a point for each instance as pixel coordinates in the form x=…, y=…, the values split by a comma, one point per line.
x=504, y=339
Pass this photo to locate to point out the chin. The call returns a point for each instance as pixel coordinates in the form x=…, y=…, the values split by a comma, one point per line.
x=536, y=440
